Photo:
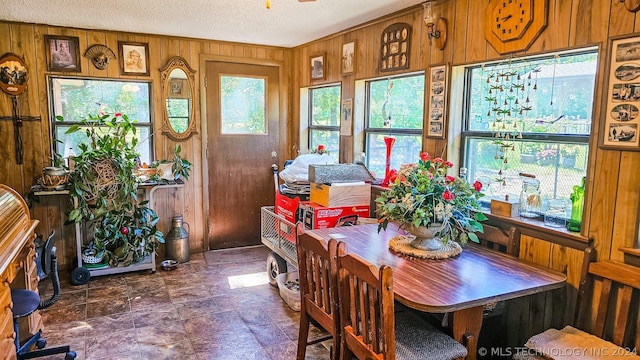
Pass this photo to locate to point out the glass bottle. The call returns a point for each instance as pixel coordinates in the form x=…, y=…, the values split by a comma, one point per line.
x=530, y=202
x=577, y=202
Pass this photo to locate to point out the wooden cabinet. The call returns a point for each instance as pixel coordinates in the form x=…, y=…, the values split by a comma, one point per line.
x=17, y=266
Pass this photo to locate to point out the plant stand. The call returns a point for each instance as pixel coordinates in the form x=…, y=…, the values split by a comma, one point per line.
x=83, y=272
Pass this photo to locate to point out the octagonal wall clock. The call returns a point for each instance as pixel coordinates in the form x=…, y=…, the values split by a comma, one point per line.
x=512, y=25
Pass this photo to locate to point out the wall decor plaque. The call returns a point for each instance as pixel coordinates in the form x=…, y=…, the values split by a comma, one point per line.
x=394, y=47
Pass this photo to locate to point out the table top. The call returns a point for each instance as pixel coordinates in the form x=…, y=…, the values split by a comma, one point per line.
x=476, y=277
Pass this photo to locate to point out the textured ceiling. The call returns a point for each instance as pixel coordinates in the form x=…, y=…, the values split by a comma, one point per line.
x=288, y=23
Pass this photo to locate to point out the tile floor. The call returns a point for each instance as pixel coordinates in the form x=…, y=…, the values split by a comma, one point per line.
x=190, y=313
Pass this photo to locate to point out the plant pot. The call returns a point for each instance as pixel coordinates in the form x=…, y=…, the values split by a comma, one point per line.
x=425, y=237
x=53, y=177
x=527, y=158
x=547, y=161
x=569, y=162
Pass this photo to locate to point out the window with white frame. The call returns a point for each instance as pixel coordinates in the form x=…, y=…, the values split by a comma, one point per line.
x=548, y=127
x=74, y=98
x=324, y=119
x=394, y=108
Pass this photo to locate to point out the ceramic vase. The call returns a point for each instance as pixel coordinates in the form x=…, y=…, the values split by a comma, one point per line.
x=425, y=236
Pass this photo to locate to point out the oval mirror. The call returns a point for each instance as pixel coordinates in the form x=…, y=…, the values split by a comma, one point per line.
x=178, y=88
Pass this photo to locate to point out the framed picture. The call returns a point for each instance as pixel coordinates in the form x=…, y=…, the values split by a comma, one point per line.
x=134, y=58
x=63, y=53
x=348, y=58
x=346, y=117
x=438, y=84
x=317, y=67
x=13, y=74
x=622, y=113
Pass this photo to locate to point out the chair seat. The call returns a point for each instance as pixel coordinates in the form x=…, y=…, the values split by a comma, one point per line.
x=417, y=339
x=24, y=302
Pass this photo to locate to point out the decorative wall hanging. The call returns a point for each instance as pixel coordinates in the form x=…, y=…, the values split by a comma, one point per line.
x=63, y=53
x=317, y=67
x=134, y=58
x=631, y=5
x=347, y=117
x=394, y=47
x=13, y=81
x=437, y=101
x=512, y=25
x=348, y=58
x=623, y=96
x=100, y=56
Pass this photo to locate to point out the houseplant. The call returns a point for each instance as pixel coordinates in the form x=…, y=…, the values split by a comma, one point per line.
x=423, y=195
x=547, y=156
x=103, y=187
x=568, y=155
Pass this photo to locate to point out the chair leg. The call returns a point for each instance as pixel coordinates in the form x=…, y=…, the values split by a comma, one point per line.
x=49, y=351
x=303, y=336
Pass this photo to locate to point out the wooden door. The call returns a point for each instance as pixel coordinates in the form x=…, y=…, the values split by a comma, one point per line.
x=240, y=149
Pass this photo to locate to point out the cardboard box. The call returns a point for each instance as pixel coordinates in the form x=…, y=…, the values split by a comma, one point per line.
x=341, y=194
x=507, y=207
x=288, y=208
x=316, y=216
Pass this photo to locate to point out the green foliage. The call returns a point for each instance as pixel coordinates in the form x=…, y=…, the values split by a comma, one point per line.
x=104, y=174
x=181, y=167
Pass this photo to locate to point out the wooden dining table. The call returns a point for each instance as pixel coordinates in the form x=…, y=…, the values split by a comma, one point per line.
x=460, y=286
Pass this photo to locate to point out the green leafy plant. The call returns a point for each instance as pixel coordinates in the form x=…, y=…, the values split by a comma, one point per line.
x=104, y=189
x=180, y=167
x=422, y=194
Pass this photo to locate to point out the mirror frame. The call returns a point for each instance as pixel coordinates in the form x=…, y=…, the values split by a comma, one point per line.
x=178, y=62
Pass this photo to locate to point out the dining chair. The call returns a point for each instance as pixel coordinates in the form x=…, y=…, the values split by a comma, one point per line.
x=370, y=327
x=318, y=291
x=503, y=240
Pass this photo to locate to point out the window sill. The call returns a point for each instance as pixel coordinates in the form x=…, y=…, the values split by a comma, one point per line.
x=537, y=229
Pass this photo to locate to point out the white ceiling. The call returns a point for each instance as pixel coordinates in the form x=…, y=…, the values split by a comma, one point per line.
x=288, y=23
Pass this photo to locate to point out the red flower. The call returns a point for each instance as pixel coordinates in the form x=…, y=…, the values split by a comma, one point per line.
x=447, y=195
x=449, y=178
x=118, y=114
x=477, y=185
x=393, y=175
x=124, y=230
x=320, y=147
x=448, y=164
x=424, y=156
x=438, y=160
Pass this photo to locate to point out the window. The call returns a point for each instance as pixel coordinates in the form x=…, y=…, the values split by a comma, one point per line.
x=75, y=98
x=394, y=107
x=243, y=105
x=324, y=119
x=549, y=126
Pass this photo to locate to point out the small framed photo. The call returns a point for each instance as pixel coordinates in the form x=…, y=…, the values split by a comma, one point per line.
x=317, y=67
x=134, y=58
x=348, y=58
x=63, y=53
x=621, y=117
x=346, y=119
x=438, y=79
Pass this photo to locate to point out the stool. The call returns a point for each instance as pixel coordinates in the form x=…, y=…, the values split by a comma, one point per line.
x=25, y=302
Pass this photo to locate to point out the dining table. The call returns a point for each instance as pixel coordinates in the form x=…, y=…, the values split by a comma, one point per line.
x=460, y=286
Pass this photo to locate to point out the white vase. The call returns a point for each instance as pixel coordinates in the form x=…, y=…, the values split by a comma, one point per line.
x=425, y=237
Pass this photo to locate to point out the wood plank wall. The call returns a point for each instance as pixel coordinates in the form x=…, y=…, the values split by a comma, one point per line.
x=26, y=40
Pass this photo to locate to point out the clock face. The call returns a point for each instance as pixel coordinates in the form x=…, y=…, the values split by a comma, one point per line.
x=512, y=25
x=511, y=18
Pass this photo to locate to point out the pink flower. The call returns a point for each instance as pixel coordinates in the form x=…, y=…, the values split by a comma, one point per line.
x=424, y=156
x=430, y=176
x=448, y=164
x=447, y=195
x=449, y=178
x=477, y=185
x=438, y=160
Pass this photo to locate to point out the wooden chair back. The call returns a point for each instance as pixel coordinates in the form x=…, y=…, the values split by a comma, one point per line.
x=366, y=308
x=507, y=241
x=318, y=289
x=615, y=294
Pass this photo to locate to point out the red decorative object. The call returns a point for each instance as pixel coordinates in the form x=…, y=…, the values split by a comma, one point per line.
x=124, y=230
x=388, y=141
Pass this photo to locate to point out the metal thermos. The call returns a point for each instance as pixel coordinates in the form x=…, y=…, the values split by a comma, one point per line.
x=177, y=240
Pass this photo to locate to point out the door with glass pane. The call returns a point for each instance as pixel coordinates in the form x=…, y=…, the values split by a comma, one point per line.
x=242, y=143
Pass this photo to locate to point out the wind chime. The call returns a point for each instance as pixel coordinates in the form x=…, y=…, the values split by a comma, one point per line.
x=508, y=90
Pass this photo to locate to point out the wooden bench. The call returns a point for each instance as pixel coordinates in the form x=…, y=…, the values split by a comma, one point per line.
x=607, y=314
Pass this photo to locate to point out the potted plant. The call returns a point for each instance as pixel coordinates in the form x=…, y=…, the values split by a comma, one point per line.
x=568, y=155
x=547, y=156
x=103, y=187
x=56, y=175
x=174, y=169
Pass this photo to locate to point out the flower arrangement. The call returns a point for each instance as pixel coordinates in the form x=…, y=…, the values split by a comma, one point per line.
x=321, y=149
x=422, y=194
x=547, y=154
